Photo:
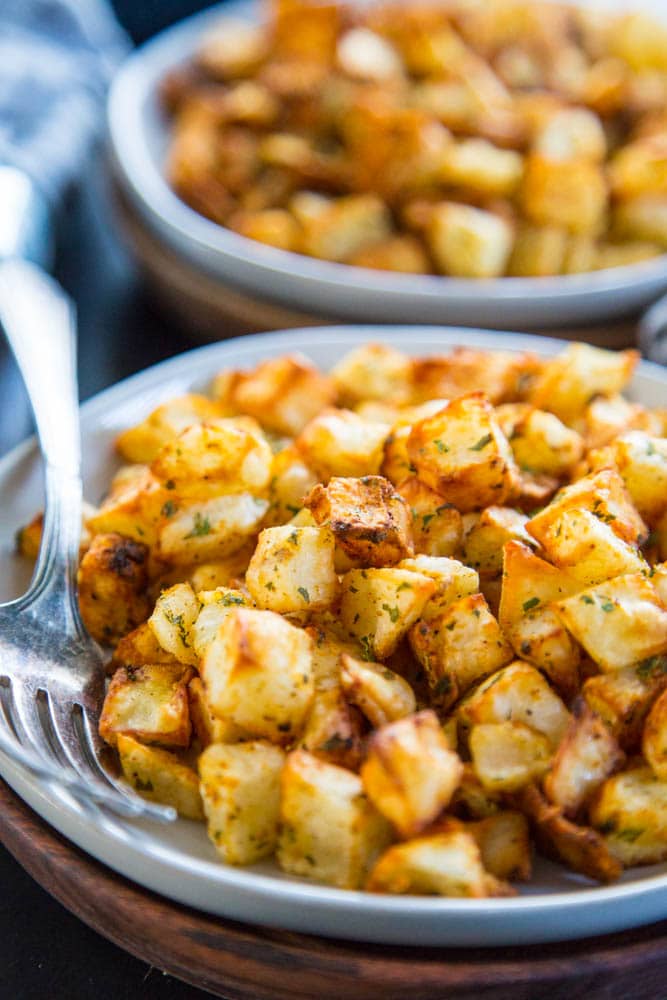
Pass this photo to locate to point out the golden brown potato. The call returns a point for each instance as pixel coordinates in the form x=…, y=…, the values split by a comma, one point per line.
x=334, y=730
x=175, y=613
x=446, y=864
x=410, y=774
x=437, y=529
x=283, y=393
x=381, y=694
x=504, y=844
x=149, y=703
x=507, y=756
x=454, y=580
x=503, y=376
x=538, y=251
x=257, y=673
x=240, y=790
x=462, y=454
x=112, y=581
x=232, y=48
x=339, y=443
x=327, y=649
x=291, y=480
x=654, y=741
x=641, y=460
x=571, y=194
x=292, y=569
x=346, y=227
x=209, y=530
x=140, y=647
x=579, y=373
x=483, y=544
x=369, y=520
x=624, y=697
x=378, y=606
x=630, y=812
x=468, y=242
x=542, y=444
x=587, y=755
x=206, y=727
x=329, y=829
x=142, y=443
x=373, y=371
x=160, y=776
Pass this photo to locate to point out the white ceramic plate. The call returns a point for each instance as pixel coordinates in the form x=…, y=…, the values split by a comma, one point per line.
x=178, y=861
x=138, y=141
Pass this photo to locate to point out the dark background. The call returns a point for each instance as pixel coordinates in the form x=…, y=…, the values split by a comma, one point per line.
x=46, y=952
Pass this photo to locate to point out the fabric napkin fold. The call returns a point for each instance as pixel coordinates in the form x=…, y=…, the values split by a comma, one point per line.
x=56, y=60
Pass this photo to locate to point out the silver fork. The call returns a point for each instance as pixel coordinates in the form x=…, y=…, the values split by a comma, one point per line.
x=51, y=671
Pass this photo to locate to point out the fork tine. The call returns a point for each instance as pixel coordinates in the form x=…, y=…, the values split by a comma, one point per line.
x=25, y=715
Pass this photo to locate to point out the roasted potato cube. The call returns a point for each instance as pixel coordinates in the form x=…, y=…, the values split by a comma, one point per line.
x=112, y=582
x=468, y=242
x=460, y=646
x=373, y=371
x=654, y=741
x=378, y=606
x=174, y=615
x=160, y=776
x=283, y=393
x=404, y=254
x=273, y=226
x=541, y=443
x=587, y=755
x=216, y=605
x=462, y=454
x=382, y=695
x=327, y=650
x=136, y=507
x=233, y=48
x=503, y=376
x=211, y=529
x=365, y=55
x=292, y=569
x=140, y=647
x=345, y=227
x=530, y=623
x=624, y=698
x=608, y=416
x=369, y=520
x=619, y=622
x=257, y=673
x=240, y=789
x=624, y=254
x=410, y=774
x=571, y=134
x=507, y=756
x=481, y=167
x=572, y=194
x=640, y=167
x=149, y=703
x=483, y=545
x=291, y=480
x=642, y=463
x=437, y=528
x=517, y=693
x=643, y=217
x=339, y=443
x=538, y=251
x=334, y=730
x=580, y=848
x=446, y=864
x=630, y=812
x=142, y=443
x=472, y=799
x=206, y=727
x=214, y=458
x=454, y=580
x=504, y=844
x=580, y=372
x=329, y=829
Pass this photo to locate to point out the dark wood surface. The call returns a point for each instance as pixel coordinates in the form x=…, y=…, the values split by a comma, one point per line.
x=238, y=962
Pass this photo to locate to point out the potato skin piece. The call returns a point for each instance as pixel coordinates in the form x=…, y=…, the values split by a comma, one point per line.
x=112, y=581
x=369, y=519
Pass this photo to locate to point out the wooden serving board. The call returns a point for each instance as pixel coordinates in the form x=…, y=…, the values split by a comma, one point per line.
x=239, y=962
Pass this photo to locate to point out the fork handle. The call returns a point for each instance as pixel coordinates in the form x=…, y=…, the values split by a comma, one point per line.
x=39, y=322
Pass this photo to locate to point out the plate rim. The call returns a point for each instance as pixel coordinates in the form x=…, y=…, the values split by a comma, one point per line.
x=312, y=897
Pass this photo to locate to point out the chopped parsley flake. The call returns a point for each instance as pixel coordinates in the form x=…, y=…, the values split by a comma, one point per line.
x=201, y=527
x=304, y=593
x=531, y=603
x=482, y=443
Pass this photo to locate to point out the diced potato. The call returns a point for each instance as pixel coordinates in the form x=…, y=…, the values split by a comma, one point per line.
x=378, y=606
x=625, y=254
x=460, y=646
x=643, y=217
x=571, y=134
x=642, y=463
x=468, y=242
x=446, y=864
x=587, y=755
x=134, y=508
x=220, y=572
x=334, y=730
x=640, y=167
x=541, y=443
x=381, y=694
x=373, y=371
x=274, y=226
x=339, y=443
x=329, y=829
x=437, y=529
x=463, y=455
x=481, y=167
x=608, y=416
x=257, y=673
x=206, y=727
x=369, y=520
x=233, y=48
x=240, y=789
x=503, y=376
x=149, y=703
x=654, y=742
x=174, y=615
x=579, y=373
x=579, y=847
x=216, y=605
x=210, y=530
x=142, y=443
x=453, y=578
x=473, y=799
x=283, y=393
x=639, y=40
x=291, y=480
x=112, y=580
x=631, y=813
x=538, y=251
x=160, y=776
x=365, y=55
x=292, y=569
x=572, y=194
x=624, y=698
x=140, y=647
x=504, y=844
x=214, y=458
x=517, y=693
x=619, y=622
x=345, y=227
x=410, y=774
x=508, y=755
x=404, y=254
x=530, y=623
x=327, y=650
x=483, y=545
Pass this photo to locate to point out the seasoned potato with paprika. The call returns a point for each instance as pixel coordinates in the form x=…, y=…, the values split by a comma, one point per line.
x=113, y=581
x=160, y=776
x=149, y=703
x=378, y=606
x=292, y=569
